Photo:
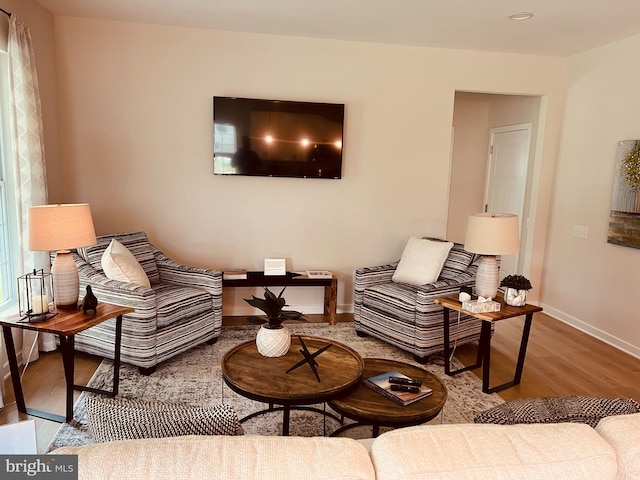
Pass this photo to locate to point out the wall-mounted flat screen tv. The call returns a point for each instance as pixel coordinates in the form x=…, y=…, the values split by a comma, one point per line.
x=277, y=138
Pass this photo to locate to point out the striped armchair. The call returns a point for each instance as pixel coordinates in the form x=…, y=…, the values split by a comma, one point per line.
x=183, y=307
x=406, y=315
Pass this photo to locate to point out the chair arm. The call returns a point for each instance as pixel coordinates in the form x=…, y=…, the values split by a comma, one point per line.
x=426, y=294
x=178, y=274
x=142, y=299
x=368, y=277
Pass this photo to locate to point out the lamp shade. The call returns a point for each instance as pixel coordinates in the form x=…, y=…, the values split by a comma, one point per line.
x=492, y=234
x=60, y=227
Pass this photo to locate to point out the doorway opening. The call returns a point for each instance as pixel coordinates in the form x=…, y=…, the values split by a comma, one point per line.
x=498, y=179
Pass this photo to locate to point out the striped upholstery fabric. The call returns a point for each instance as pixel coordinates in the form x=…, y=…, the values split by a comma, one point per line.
x=406, y=315
x=183, y=307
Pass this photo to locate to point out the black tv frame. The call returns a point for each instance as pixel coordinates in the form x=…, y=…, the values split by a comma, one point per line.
x=273, y=134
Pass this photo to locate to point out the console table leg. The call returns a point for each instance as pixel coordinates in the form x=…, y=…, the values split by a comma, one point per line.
x=331, y=300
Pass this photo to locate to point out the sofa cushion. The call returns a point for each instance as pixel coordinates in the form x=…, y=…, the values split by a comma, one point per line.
x=175, y=303
x=580, y=409
x=623, y=434
x=567, y=451
x=112, y=419
x=422, y=261
x=118, y=263
x=249, y=457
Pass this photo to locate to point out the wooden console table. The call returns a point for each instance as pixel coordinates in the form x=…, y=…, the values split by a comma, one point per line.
x=65, y=325
x=259, y=279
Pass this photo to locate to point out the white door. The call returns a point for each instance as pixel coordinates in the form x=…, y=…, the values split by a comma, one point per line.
x=507, y=180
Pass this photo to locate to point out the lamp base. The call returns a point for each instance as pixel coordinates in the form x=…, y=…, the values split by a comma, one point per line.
x=487, y=277
x=66, y=282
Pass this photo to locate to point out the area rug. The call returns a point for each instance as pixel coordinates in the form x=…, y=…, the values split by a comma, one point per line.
x=195, y=378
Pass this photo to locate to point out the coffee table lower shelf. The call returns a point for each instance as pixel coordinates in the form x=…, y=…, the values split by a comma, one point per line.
x=286, y=415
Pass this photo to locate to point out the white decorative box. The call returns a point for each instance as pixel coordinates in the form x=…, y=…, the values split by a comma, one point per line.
x=480, y=307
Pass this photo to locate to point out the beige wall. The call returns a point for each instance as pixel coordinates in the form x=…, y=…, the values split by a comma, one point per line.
x=590, y=283
x=136, y=142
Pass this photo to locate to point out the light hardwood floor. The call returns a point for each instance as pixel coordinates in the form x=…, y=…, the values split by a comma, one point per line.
x=560, y=361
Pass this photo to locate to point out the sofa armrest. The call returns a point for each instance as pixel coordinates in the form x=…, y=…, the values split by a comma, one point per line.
x=178, y=274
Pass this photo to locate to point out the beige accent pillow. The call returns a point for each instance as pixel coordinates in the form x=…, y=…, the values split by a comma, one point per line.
x=119, y=263
x=422, y=261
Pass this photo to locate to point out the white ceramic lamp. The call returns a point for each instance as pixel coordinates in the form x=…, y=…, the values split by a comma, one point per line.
x=60, y=228
x=491, y=234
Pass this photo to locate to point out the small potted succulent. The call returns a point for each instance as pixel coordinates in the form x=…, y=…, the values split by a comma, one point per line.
x=516, y=287
x=273, y=339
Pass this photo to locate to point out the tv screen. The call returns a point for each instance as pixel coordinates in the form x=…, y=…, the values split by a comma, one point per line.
x=277, y=138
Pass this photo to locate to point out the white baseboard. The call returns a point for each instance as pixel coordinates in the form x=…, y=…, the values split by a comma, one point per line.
x=593, y=331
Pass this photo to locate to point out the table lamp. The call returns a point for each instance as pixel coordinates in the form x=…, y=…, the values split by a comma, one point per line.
x=61, y=228
x=491, y=234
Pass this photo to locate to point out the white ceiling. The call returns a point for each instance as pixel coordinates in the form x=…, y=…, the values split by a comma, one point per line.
x=558, y=28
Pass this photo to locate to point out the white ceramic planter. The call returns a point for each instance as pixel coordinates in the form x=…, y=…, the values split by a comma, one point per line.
x=273, y=342
x=515, y=298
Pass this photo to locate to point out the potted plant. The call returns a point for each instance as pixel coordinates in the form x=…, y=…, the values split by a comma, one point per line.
x=273, y=339
x=516, y=287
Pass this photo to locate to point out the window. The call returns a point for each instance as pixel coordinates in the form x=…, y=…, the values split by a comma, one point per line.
x=8, y=225
x=224, y=137
x=6, y=285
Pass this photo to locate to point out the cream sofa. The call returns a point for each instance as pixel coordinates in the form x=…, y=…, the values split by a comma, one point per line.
x=564, y=451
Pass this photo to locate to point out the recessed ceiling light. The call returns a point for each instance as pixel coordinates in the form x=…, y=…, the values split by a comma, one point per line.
x=520, y=16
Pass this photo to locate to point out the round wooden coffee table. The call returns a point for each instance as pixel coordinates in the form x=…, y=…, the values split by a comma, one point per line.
x=368, y=407
x=266, y=380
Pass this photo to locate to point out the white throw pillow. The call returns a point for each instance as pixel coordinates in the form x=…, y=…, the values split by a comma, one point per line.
x=119, y=263
x=421, y=261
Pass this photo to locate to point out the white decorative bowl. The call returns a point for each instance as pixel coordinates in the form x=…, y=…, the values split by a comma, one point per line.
x=273, y=342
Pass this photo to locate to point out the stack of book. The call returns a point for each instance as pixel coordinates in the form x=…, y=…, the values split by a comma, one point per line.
x=237, y=274
x=398, y=387
x=317, y=274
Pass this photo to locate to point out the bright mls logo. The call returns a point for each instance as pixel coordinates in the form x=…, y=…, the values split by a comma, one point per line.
x=51, y=467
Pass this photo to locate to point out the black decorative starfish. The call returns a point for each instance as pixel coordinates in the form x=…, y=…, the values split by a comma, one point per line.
x=309, y=358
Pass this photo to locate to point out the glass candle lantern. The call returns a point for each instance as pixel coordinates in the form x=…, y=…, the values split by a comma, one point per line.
x=35, y=296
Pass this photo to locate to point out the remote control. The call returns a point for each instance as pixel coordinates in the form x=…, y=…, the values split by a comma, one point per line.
x=405, y=381
x=405, y=388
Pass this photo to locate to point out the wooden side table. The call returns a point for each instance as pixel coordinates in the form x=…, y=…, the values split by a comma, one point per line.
x=65, y=325
x=290, y=279
x=484, y=348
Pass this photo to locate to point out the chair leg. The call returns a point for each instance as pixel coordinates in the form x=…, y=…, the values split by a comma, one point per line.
x=147, y=371
x=361, y=334
x=421, y=360
x=212, y=341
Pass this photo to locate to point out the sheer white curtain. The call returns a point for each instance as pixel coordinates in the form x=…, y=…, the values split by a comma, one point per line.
x=28, y=156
